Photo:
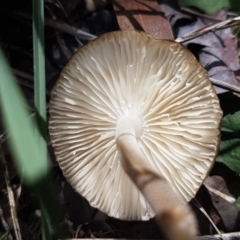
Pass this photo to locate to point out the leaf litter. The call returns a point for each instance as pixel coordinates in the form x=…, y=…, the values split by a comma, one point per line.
x=217, y=51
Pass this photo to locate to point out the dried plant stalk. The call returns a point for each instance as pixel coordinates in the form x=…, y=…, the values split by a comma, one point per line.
x=225, y=236
x=225, y=85
x=201, y=31
x=12, y=204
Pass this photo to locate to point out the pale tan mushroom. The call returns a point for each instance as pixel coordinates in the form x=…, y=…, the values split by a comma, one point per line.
x=134, y=122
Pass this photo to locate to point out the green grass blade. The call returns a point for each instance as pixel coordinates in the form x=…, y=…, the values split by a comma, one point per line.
x=27, y=143
x=40, y=107
x=20, y=128
x=39, y=71
x=3, y=237
x=29, y=159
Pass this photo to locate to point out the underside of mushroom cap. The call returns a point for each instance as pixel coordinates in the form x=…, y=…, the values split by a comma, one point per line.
x=128, y=82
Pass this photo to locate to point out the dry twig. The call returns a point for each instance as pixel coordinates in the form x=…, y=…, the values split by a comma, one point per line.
x=206, y=215
x=191, y=11
x=60, y=26
x=220, y=194
x=5, y=225
x=63, y=27
x=225, y=85
x=12, y=204
x=214, y=27
x=225, y=236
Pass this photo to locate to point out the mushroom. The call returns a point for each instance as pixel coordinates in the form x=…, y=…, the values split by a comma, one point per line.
x=134, y=123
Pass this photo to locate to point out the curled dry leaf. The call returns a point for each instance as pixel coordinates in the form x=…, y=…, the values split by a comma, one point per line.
x=218, y=52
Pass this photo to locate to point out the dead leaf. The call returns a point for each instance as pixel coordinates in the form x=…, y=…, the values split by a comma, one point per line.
x=222, y=201
x=217, y=52
x=173, y=13
x=144, y=16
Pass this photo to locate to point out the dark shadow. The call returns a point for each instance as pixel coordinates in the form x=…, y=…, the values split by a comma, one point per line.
x=230, y=135
x=229, y=102
x=195, y=49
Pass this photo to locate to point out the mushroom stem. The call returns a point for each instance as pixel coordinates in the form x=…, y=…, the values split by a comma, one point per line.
x=175, y=218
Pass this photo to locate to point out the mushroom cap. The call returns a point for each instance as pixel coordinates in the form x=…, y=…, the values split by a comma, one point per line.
x=162, y=89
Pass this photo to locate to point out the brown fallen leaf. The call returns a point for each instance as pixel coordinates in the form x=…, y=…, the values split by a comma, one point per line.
x=143, y=15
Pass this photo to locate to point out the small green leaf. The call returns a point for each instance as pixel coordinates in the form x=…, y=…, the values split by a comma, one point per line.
x=206, y=5
x=229, y=153
x=238, y=203
x=231, y=122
